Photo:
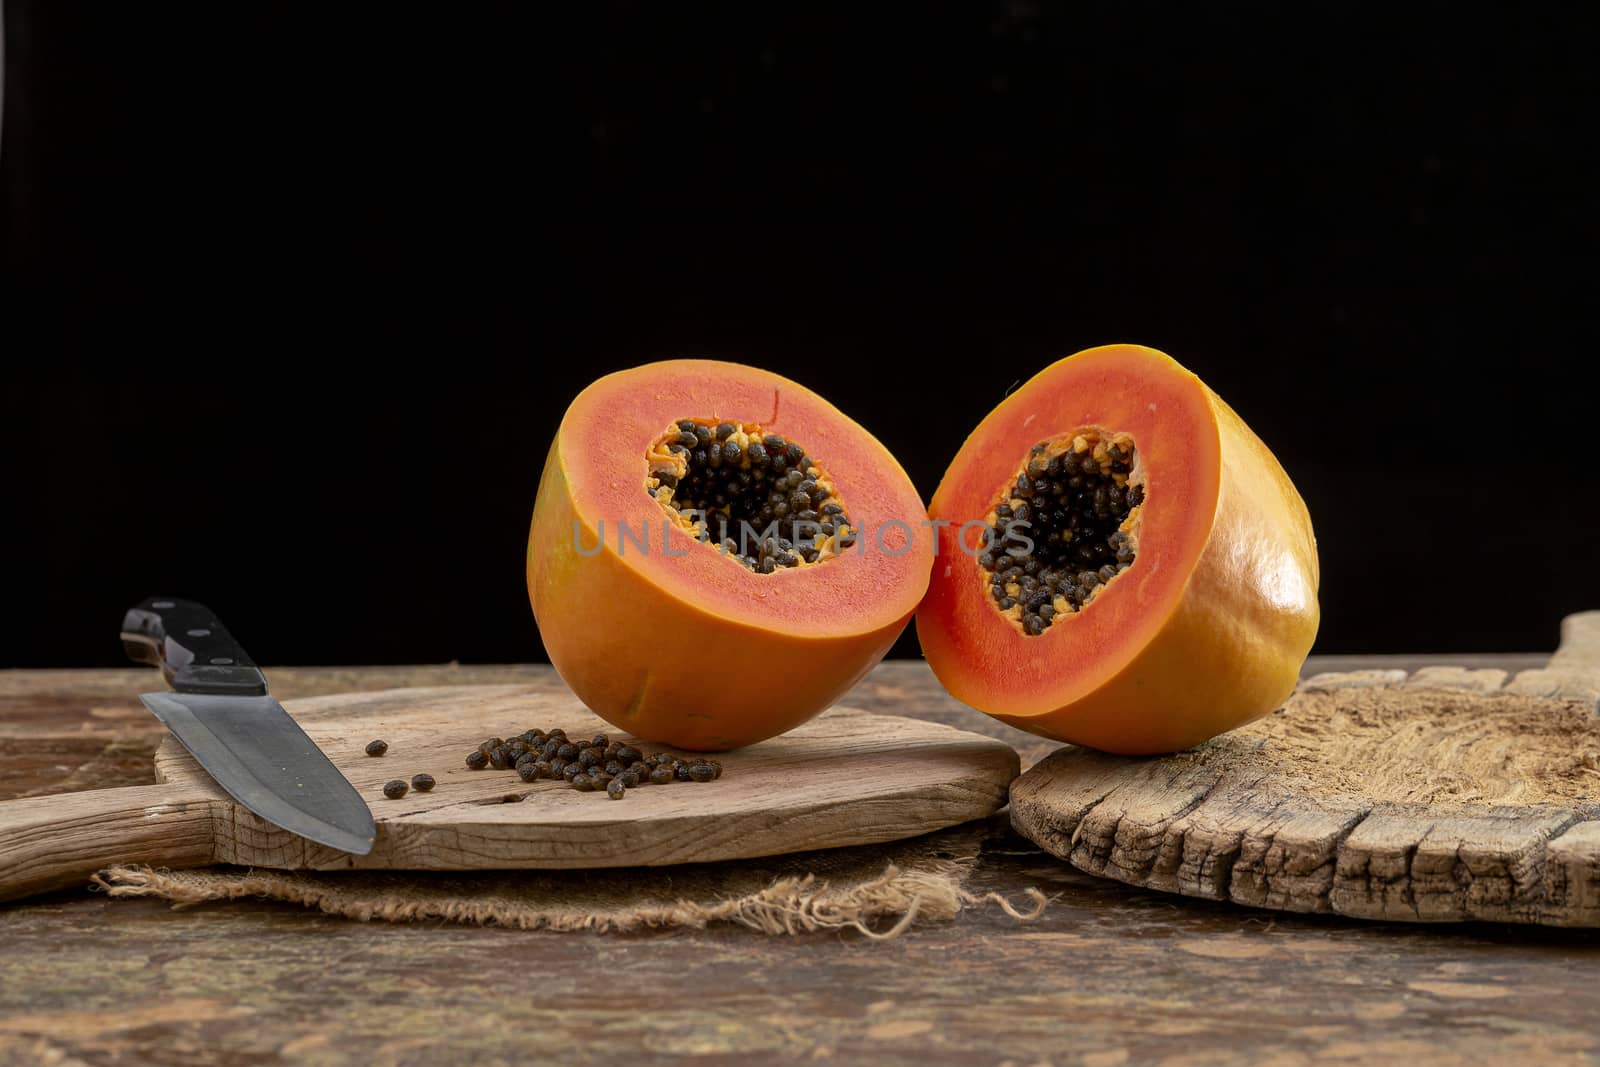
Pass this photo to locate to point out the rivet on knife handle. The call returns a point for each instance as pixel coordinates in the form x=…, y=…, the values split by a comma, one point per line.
x=195, y=652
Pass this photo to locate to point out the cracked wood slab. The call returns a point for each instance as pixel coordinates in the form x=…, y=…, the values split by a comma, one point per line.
x=1440, y=794
x=848, y=777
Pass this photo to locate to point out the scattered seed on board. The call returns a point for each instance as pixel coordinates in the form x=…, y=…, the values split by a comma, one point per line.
x=587, y=766
x=422, y=782
x=395, y=790
x=377, y=748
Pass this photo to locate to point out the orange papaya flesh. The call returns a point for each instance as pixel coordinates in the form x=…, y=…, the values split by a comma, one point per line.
x=658, y=626
x=1203, y=601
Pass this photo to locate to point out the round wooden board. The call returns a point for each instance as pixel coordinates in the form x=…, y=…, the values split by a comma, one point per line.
x=1443, y=795
x=848, y=777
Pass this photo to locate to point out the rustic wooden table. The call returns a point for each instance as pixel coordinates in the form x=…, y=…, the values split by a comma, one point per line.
x=1108, y=975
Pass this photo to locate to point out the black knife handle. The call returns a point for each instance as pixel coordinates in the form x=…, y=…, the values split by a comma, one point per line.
x=195, y=652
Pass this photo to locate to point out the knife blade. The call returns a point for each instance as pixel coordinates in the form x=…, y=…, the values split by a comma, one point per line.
x=222, y=713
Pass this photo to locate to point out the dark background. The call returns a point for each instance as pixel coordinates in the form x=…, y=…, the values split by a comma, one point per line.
x=297, y=292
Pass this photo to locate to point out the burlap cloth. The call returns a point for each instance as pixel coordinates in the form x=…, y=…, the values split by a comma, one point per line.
x=879, y=891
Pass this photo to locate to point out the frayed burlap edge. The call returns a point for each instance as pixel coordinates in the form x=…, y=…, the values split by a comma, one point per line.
x=789, y=905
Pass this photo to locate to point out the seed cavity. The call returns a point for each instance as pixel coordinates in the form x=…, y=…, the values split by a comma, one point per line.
x=757, y=498
x=1064, y=529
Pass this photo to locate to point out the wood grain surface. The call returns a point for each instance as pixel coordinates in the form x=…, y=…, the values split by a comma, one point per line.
x=848, y=777
x=1111, y=974
x=1440, y=794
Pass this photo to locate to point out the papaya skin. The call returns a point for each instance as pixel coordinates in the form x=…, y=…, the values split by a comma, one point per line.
x=684, y=646
x=1206, y=630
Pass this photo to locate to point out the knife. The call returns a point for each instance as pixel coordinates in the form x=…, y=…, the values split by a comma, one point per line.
x=242, y=737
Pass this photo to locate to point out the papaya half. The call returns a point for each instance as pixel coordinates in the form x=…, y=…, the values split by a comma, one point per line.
x=1121, y=562
x=717, y=553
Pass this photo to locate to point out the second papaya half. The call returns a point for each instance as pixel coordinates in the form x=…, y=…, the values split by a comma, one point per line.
x=1121, y=562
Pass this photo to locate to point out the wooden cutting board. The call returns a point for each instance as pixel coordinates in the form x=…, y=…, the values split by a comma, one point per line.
x=1442, y=795
x=848, y=777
